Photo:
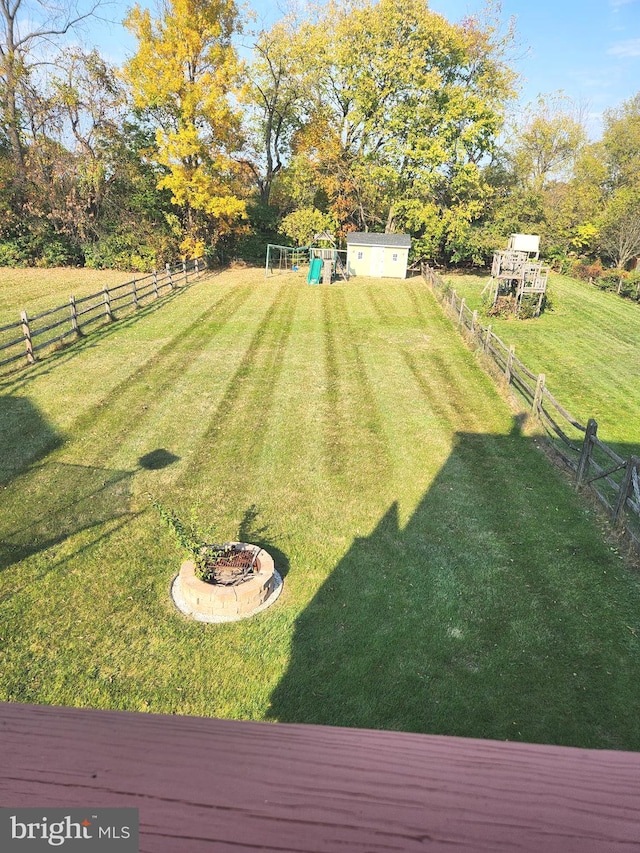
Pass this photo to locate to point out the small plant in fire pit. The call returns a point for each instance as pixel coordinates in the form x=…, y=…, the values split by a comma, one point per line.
x=227, y=564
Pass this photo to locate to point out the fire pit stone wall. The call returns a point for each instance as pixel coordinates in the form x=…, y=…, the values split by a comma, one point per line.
x=218, y=600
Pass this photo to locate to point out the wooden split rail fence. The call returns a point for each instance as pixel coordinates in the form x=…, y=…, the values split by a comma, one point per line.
x=614, y=480
x=28, y=336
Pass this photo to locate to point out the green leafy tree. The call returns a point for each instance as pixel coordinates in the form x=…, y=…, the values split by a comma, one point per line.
x=548, y=140
x=275, y=100
x=406, y=108
x=621, y=144
x=302, y=225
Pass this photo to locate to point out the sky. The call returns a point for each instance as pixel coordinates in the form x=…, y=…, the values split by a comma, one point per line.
x=587, y=49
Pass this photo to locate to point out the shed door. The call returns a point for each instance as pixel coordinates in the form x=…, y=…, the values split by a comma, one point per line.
x=377, y=262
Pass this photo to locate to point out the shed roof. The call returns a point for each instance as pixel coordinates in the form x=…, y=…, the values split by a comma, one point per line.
x=362, y=238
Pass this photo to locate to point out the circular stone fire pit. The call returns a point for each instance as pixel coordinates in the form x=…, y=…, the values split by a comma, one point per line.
x=236, y=596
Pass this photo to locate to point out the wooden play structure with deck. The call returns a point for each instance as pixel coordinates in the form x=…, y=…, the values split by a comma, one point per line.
x=517, y=273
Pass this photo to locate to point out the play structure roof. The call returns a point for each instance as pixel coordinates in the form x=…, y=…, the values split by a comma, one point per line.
x=362, y=238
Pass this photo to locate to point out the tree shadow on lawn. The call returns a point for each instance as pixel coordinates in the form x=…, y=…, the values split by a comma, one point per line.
x=497, y=611
x=249, y=531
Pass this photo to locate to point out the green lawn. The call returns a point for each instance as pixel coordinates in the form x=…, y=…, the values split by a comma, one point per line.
x=36, y=290
x=440, y=576
x=588, y=347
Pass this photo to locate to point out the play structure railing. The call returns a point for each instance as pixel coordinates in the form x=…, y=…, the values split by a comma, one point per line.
x=27, y=337
x=614, y=480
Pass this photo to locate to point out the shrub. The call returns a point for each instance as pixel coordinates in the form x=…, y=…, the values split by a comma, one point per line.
x=125, y=252
x=585, y=271
x=12, y=254
x=40, y=250
x=58, y=253
x=504, y=306
x=612, y=279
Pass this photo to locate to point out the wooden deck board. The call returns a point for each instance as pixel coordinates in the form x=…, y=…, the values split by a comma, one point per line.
x=227, y=786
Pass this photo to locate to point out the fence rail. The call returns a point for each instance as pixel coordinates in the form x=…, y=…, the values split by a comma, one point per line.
x=29, y=335
x=615, y=481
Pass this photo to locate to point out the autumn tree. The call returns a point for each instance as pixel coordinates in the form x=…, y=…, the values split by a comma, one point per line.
x=619, y=227
x=182, y=78
x=548, y=138
x=604, y=191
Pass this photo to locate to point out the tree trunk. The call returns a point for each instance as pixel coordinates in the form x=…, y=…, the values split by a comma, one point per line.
x=390, y=226
x=12, y=122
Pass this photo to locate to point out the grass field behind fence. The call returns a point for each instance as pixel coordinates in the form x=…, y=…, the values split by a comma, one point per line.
x=440, y=576
x=37, y=290
x=588, y=347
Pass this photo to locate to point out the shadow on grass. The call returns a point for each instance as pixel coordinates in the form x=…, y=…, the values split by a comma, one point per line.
x=46, y=502
x=53, y=501
x=25, y=435
x=496, y=611
x=249, y=531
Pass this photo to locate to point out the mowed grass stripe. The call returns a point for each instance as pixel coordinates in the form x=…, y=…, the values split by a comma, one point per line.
x=355, y=447
x=236, y=427
x=49, y=288
x=95, y=368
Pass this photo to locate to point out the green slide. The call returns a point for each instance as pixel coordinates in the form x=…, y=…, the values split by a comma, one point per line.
x=315, y=271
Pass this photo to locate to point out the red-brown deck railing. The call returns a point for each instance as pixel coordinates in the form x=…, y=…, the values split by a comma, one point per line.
x=226, y=787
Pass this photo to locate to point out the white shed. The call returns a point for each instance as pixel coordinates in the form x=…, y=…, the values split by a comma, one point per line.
x=378, y=255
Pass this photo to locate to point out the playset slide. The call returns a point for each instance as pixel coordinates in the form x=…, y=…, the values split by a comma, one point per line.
x=315, y=271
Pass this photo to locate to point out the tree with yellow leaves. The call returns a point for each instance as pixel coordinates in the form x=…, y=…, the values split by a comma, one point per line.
x=182, y=78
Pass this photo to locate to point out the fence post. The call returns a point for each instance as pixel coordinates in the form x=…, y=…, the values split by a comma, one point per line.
x=26, y=331
x=184, y=270
x=625, y=490
x=134, y=292
x=585, y=453
x=197, y=266
x=487, y=339
x=155, y=283
x=460, y=315
x=74, y=315
x=474, y=322
x=537, y=399
x=168, y=270
x=509, y=367
x=107, y=304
